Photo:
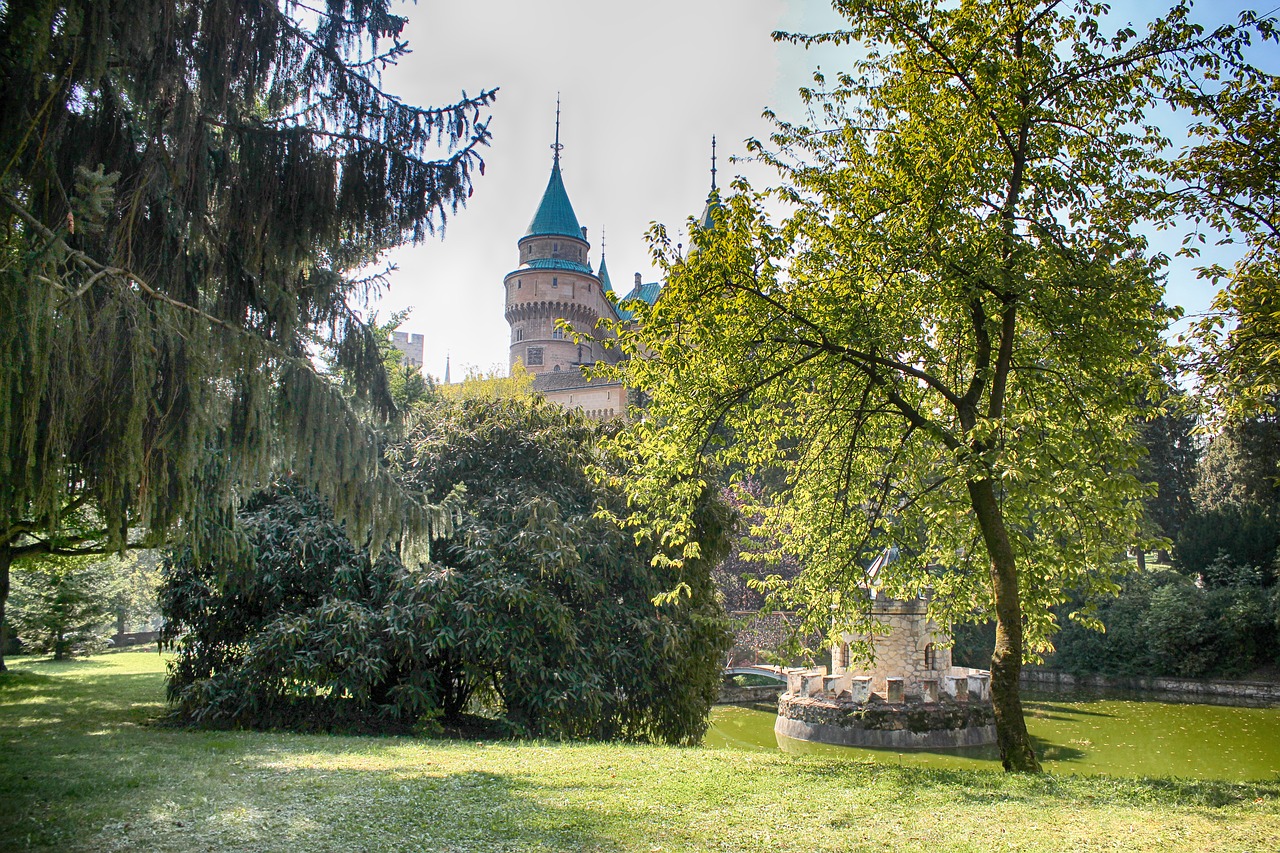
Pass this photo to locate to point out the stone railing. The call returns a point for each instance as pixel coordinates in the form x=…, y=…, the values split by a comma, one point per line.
x=731, y=694
x=876, y=723
x=958, y=683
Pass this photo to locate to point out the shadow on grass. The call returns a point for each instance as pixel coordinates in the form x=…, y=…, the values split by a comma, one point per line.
x=77, y=765
x=34, y=701
x=993, y=785
x=474, y=809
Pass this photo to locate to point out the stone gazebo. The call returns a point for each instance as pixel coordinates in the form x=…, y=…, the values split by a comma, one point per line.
x=909, y=697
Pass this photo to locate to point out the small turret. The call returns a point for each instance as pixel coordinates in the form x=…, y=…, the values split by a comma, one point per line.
x=605, y=284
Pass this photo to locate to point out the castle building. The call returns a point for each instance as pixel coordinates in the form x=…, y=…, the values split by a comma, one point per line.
x=410, y=348
x=555, y=286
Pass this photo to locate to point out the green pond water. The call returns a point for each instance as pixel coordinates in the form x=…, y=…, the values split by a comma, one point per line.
x=1122, y=737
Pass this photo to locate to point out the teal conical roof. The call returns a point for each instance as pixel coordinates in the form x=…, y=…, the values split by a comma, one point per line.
x=605, y=285
x=708, y=221
x=555, y=213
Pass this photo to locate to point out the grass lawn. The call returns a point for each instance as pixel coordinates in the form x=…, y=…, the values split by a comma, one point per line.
x=81, y=769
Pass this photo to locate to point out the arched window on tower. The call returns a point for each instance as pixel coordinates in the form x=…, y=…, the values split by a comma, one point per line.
x=930, y=657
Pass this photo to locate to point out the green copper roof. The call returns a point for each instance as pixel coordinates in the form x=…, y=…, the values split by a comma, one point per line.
x=555, y=213
x=649, y=292
x=555, y=264
x=707, y=221
x=605, y=284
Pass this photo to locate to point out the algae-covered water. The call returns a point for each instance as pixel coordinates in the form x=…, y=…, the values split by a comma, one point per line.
x=1122, y=737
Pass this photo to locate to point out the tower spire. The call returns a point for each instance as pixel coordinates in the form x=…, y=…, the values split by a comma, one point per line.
x=713, y=162
x=556, y=146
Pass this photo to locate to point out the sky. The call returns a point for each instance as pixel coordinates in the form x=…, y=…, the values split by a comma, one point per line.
x=643, y=86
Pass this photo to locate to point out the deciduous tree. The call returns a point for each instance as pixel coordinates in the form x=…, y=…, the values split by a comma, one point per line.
x=953, y=325
x=1228, y=180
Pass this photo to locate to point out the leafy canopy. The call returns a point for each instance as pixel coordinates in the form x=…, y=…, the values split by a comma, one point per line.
x=945, y=340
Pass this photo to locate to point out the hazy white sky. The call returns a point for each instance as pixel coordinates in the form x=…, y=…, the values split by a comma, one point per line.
x=643, y=86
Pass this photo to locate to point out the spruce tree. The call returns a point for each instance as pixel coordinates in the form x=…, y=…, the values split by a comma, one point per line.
x=187, y=191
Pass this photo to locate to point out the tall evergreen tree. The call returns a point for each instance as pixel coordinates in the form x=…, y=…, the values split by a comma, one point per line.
x=185, y=191
x=1167, y=433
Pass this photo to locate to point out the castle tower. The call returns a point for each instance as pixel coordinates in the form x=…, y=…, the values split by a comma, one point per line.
x=555, y=282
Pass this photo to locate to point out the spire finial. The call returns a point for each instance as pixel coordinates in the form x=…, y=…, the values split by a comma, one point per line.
x=601, y=242
x=557, y=147
x=713, y=162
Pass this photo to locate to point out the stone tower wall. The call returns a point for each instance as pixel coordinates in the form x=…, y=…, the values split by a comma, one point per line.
x=912, y=647
x=537, y=297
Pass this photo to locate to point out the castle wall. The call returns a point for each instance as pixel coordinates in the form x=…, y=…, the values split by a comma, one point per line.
x=410, y=347
x=600, y=401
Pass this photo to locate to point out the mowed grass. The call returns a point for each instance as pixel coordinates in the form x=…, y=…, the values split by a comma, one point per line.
x=83, y=768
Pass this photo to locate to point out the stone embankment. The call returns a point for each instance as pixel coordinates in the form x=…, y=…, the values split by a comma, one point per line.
x=731, y=694
x=1246, y=693
x=876, y=723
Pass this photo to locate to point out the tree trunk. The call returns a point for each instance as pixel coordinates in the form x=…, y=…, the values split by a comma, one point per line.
x=1142, y=559
x=6, y=559
x=1016, y=753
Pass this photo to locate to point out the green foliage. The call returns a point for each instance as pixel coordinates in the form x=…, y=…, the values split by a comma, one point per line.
x=135, y=602
x=1236, y=502
x=1231, y=183
x=186, y=192
x=1167, y=433
x=945, y=341
x=1241, y=465
x=1164, y=624
x=537, y=605
x=516, y=384
x=756, y=562
x=63, y=605
x=1239, y=535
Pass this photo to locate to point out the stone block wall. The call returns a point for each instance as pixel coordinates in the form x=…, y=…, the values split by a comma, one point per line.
x=911, y=647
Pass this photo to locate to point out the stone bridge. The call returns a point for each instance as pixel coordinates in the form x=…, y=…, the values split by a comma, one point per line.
x=731, y=693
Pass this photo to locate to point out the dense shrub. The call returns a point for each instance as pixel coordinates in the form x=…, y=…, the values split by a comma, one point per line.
x=1163, y=623
x=538, y=606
